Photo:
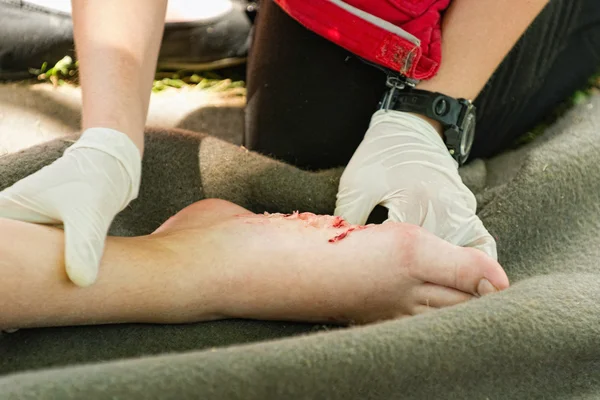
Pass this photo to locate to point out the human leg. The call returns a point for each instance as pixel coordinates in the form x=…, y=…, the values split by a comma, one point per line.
x=555, y=57
x=138, y=282
x=216, y=260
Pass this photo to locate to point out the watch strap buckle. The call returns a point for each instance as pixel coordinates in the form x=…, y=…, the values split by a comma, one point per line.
x=395, y=82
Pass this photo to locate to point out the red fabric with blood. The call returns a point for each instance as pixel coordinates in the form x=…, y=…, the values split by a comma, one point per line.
x=421, y=18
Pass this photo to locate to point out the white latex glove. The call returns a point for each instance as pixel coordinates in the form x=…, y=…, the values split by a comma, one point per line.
x=83, y=190
x=404, y=165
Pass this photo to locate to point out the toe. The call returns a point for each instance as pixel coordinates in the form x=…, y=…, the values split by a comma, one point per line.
x=439, y=262
x=437, y=296
x=422, y=309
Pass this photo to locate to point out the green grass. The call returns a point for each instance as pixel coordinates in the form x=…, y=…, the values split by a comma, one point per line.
x=65, y=71
x=205, y=81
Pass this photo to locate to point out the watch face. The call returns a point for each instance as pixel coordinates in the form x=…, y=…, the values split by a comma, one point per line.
x=468, y=134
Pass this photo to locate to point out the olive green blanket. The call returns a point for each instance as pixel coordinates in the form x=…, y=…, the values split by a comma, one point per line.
x=540, y=339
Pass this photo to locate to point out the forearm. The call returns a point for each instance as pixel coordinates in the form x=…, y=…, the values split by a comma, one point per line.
x=139, y=282
x=117, y=45
x=477, y=35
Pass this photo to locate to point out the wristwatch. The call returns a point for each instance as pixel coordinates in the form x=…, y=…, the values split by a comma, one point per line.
x=457, y=116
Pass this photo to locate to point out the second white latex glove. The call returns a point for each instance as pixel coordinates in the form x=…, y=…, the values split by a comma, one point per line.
x=404, y=165
x=83, y=190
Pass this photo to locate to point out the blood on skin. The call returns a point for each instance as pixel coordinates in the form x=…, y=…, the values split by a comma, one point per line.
x=316, y=221
x=339, y=223
x=340, y=236
x=346, y=233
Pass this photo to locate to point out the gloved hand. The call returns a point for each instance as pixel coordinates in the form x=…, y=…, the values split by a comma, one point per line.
x=404, y=165
x=83, y=190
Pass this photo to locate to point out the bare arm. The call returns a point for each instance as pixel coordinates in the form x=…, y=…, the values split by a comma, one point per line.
x=477, y=35
x=117, y=46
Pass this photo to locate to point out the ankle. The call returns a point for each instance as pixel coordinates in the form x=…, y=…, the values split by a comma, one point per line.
x=193, y=289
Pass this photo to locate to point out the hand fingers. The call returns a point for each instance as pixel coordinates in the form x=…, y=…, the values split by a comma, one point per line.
x=354, y=206
x=14, y=206
x=404, y=208
x=481, y=239
x=454, y=222
x=84, y=246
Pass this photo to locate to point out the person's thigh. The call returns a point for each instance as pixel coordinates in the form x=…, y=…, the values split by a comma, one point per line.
x=556, y=56
x=309, y=100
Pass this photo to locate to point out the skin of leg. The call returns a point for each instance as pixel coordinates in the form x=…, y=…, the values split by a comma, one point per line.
x=382, y=272
x=215, y=260
x=140, y=282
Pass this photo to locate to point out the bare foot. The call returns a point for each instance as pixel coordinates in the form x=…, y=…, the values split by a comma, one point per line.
x=321, y=269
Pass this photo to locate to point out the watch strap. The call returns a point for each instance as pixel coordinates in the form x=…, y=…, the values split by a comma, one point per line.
x=436, y=106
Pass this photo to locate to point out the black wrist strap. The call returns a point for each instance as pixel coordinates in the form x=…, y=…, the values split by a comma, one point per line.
x=436, y=106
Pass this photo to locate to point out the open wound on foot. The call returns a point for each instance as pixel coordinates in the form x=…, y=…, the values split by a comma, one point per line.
x=315, y=221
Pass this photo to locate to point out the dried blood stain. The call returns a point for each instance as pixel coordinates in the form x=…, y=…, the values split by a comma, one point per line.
x=316, y=221
x=346, y=233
